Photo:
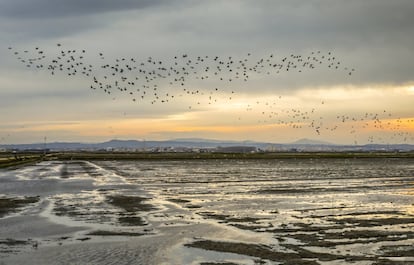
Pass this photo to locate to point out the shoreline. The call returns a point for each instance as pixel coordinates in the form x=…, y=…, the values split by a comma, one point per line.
x=9, y=161
x=24, y=157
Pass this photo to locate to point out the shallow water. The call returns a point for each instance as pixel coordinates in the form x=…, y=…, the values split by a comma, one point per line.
x=314, y=211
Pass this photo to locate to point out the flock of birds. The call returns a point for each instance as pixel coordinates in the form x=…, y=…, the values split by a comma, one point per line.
x=143, y=80
x=205, y=80
x=393, y=127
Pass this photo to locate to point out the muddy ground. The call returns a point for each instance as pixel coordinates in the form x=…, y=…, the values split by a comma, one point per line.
x=311, y=211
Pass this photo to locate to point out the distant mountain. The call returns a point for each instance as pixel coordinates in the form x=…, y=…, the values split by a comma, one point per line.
x=190, y=143
x=183, y=142
x=136, y=144
x=121, y=144
x=213, y=141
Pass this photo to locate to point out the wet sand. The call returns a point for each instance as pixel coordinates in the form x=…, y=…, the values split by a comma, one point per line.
x=277, y=211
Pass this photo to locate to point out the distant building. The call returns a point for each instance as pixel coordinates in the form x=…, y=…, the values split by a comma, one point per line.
x=36, y=151
x=109, y=149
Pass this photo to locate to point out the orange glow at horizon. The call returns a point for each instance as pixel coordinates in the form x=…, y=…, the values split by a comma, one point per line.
x=389, y=125
x=131, y=126
x=343, y=116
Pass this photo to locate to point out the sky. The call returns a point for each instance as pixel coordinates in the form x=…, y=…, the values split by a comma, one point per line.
x=368, y=98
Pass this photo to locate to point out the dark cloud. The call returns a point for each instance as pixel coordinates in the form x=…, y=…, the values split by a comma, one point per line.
x=48, y=28
x=374, y=36
x=302, y=23
x=41, y=9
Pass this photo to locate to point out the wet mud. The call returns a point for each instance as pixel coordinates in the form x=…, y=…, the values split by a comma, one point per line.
x=246, y=212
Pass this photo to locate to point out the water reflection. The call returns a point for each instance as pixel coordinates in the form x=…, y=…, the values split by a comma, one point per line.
x=325, y=210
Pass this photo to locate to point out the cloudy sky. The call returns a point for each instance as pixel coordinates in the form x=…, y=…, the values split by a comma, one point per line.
x=373, y=37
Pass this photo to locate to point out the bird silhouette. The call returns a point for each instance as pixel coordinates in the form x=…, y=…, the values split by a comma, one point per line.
x=206, y=79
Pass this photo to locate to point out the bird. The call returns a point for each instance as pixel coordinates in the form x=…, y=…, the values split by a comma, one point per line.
x=206, y=79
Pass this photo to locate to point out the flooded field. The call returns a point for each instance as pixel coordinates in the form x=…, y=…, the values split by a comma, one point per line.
x=280, y=211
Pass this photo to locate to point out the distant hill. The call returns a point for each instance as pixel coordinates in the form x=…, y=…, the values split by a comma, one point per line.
x=136, y=144
x=191, y=143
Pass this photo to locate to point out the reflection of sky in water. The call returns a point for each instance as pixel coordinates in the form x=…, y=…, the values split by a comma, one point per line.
x=254, y=186
x=243, y=197
x=285, y=192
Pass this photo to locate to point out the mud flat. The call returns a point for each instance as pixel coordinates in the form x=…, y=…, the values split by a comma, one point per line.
x=8, y=205
x=214, y=211
x=218, y=155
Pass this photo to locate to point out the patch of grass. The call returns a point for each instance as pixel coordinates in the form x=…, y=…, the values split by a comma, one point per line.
x=14, y=160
